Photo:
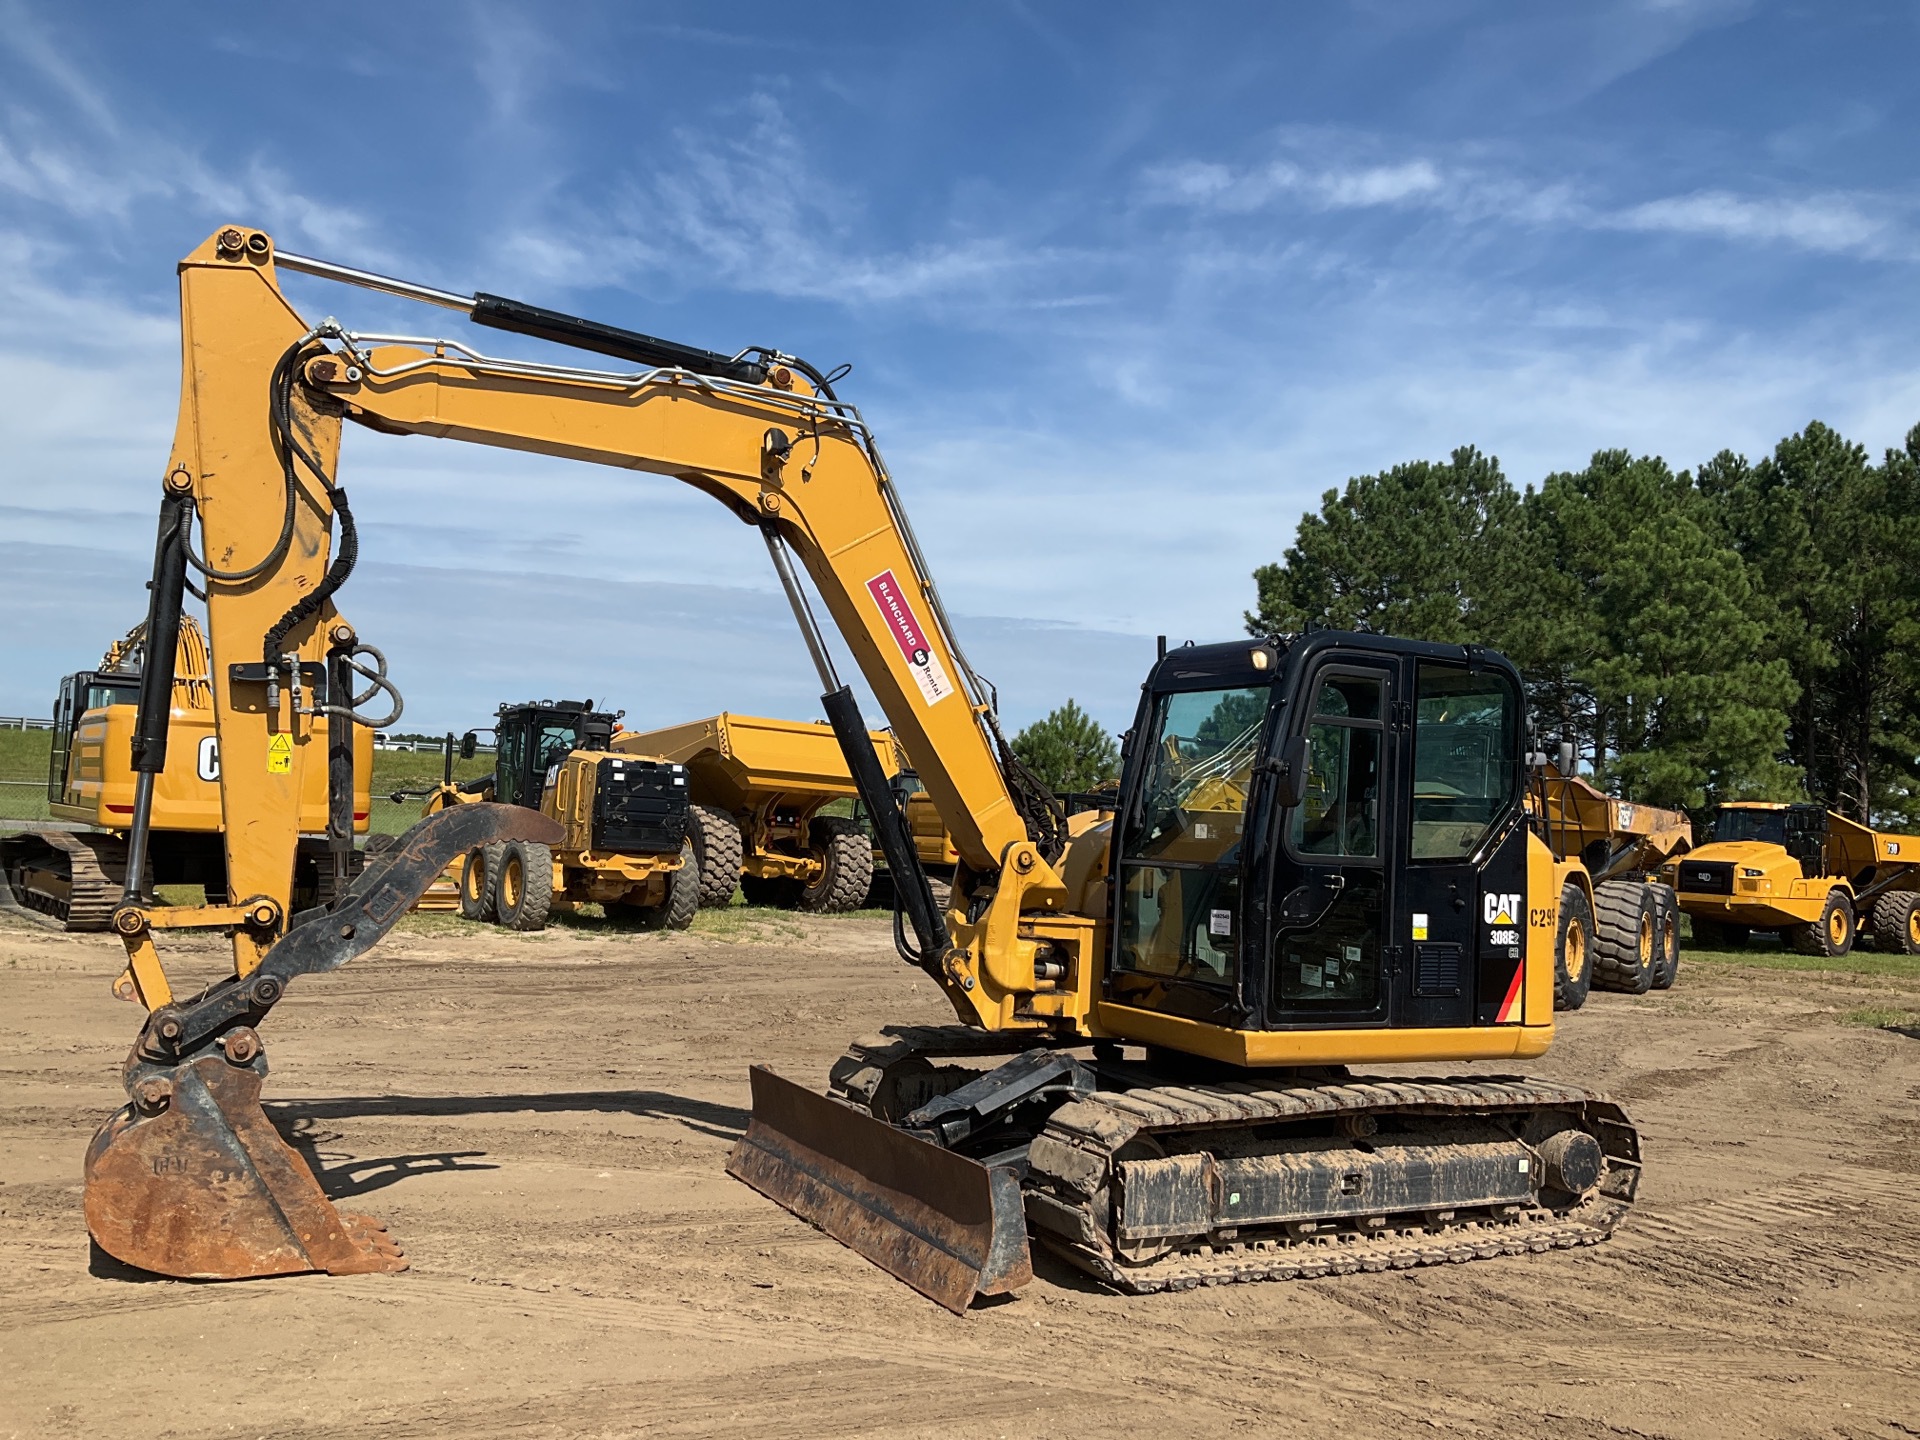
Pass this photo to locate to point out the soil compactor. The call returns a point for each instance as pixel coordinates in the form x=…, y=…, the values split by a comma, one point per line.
x=76, y=872
x=1320, y=858
x=758, y=788
x=1619, y=926
x=626, y=845
x=1804, y=872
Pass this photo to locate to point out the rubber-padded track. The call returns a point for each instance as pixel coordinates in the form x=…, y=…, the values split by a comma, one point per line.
x=1098, y=1127
x=898, y=1069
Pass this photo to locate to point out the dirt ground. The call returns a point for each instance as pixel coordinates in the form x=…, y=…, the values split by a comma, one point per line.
x=543, y=1121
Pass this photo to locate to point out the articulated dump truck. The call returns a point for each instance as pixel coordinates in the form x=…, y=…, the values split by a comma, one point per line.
x=1619, y=926
x=758, y=788
x=1805, y=873
x=75, y=870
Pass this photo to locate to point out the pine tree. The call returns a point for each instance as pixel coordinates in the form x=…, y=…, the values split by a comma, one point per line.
x=1831, y=541
x=1645, y=609
x=1068, y=750
x=1411, y=551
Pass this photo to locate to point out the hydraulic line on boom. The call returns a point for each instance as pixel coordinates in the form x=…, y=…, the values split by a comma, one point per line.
x=1319, y=856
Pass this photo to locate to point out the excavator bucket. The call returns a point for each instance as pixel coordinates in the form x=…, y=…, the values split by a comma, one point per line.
x=950, y=1227
x=197, y=1184
x=191, y=1179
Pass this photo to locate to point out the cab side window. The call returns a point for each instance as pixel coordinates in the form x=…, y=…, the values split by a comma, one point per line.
x=1339, y=810
x=1465, y=767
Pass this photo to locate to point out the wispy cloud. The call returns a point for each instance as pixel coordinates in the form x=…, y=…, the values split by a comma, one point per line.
x=745, y=205
x=1832, y=223
x=1480, y=193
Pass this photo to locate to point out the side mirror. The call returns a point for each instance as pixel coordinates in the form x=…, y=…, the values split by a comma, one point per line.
x=469, y=743
x=1566, y=758
x=1289, y=771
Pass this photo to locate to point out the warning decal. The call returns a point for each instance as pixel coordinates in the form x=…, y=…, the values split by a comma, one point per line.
x=897, y=611
x=280, y=755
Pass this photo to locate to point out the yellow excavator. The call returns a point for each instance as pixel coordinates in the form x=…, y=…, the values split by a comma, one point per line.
x=1155, y=1008
x=77, y=875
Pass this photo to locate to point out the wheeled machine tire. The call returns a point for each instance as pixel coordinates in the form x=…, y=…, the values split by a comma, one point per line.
x=523, y=887
x=1572, y=950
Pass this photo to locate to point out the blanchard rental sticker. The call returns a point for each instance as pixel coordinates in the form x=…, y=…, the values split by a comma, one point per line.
x=909, y=635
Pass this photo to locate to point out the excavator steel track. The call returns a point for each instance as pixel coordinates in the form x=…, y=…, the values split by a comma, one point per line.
x=73, y=876
x=1073, y=1170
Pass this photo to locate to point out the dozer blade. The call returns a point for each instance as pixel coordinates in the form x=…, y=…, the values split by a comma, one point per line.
x=946, y=1225
x=191, y=1179
x=197, y=1184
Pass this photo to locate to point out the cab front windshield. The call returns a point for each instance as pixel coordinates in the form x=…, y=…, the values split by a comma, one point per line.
x=1180, y=854
x=1766, y=826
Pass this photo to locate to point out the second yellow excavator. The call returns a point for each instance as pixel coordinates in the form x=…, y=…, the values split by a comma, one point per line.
x=1319, y=858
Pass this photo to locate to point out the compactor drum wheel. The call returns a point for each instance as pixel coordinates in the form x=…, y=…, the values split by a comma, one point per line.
x=1666, y=965
x=846, y=867
x=1627, y=942
x=717, y=851
x=1573, y=950
x=1896, y=923
x=1831, y=934
x=477, y=874
x=523, y=891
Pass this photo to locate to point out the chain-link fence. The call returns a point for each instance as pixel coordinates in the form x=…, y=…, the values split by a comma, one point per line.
x=23, y=774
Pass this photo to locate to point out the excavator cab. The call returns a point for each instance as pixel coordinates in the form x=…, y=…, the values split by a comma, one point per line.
x=1327, y=832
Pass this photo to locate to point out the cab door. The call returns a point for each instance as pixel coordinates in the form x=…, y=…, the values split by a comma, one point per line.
x=1461, y=918
x=1332, y=891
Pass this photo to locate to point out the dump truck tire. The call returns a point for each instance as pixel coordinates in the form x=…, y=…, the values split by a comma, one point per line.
x=523, y=887
x=1896, y=923
x=1572, y=950
x=717, y=850
x=1832, y=934
x=846, y=867
x=1626, y=941
x=477, y=874
x=1666, y=966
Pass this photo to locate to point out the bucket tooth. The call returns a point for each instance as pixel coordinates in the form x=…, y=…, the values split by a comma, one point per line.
x=946, y=1225
x=193, y=1181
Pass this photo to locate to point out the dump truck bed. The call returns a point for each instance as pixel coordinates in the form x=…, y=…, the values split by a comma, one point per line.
x=739, y=760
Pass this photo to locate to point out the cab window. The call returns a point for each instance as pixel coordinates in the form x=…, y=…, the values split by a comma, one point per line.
x=1339, y=809
x=1180, y=849
x=1465, y=768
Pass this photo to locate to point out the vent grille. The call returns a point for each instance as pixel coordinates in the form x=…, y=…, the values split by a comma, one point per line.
x=1436, y=970
x=1707, y=877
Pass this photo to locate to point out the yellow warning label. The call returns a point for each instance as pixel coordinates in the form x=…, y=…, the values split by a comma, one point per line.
x=280, y=755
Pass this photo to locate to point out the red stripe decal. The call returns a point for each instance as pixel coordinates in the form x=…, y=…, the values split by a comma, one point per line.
x=1510, y=1006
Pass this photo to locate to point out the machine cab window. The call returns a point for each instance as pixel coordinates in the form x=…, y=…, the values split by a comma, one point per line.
x=1464, y=772
x=1180, y=849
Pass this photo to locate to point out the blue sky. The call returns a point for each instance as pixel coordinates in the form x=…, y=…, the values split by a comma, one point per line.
x=1125, y=287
